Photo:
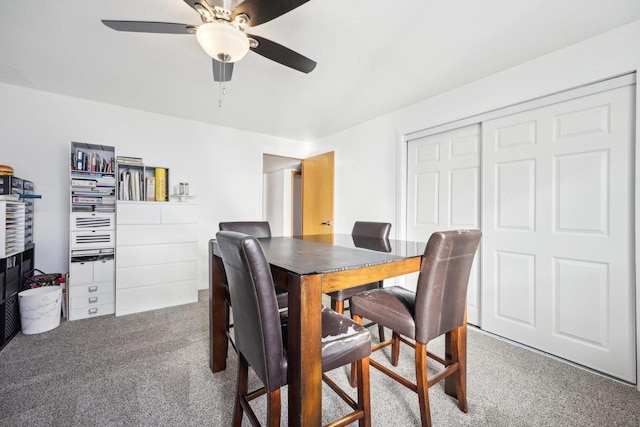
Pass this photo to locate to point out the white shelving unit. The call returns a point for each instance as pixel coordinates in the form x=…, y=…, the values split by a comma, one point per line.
x=12, y=229
x=92, y=240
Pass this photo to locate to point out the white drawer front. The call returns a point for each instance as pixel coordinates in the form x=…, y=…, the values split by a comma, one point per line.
x=104, y=270
x=130, y=235
x=179, y=214
x=90, y=300
x=92, y=289
x=156, y=274
x=145, y=298
x=92, y=239
x=139, y=213
x=80, y=273
x=129, y=256
x=92, y=221
x=93, y=311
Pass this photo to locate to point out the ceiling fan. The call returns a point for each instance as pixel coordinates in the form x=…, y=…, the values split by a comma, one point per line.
x=222, y=34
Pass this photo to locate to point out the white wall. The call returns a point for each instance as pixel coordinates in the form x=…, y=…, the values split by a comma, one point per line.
x=368, y=178
x=223, y=166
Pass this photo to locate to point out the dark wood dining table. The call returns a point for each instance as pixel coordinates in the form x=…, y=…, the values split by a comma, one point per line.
x=308, y=267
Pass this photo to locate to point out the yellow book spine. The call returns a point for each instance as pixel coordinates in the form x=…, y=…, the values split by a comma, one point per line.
x=161, y=185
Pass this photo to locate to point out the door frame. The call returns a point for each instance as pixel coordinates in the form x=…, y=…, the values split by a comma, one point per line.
x=607, y=82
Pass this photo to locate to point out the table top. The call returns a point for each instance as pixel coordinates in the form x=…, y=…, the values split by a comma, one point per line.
x=327, y=253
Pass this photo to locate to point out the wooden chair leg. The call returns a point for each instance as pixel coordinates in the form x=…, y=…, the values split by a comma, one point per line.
x=273, y=408
x=458, y=354
x=395, y=349
x=381, y=332
x=364, y=393
x=337, y=306
x=353, y=379
x=423, y=385
x=241, y=389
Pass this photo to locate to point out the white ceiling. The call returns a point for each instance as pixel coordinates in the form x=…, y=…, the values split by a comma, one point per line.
x=373, y=56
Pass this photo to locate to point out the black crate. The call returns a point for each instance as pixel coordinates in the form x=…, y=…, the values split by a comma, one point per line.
x=12, y=317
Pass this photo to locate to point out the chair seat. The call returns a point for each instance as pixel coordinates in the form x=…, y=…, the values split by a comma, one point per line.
x=282, y=297
x=343, y=340
x=345, y=294
x=392, y=307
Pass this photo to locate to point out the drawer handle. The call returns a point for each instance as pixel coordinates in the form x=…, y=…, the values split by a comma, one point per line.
x=93, y=289
x=93, y=300
x=93, y=310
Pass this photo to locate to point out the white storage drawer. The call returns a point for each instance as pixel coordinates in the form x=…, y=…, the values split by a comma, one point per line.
x=78, y=301
x=91, y=271
x=91, y=311
x=92, y=221
x=92, y=289
x=134, y=256
x=92, y=239
x=136, y=235
x=180, y=213
x=139, y=213
x=80, y=273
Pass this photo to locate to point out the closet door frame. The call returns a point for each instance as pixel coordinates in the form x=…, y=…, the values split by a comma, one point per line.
x=403, y=136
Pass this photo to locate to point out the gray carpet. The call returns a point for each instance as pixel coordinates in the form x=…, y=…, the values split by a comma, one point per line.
x=151, y=369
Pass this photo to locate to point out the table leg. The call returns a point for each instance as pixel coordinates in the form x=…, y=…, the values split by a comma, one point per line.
x=304, y=350
x=218, y=343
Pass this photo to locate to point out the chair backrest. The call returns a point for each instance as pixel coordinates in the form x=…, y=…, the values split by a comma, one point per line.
x=253, y=228
x=255, y=310
x=378, y=230
x=442, y=286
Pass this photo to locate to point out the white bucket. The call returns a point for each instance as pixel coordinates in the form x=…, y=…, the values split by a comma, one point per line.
x=40, y=309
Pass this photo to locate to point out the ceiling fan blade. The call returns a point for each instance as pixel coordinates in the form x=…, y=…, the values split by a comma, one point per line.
x=150, y=27
x=222, y=71
x=283, y=55
x=261, y=11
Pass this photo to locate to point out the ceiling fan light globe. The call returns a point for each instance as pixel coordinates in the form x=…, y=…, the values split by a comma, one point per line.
x=220, y=40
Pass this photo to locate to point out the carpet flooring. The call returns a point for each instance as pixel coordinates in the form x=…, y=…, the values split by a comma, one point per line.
x=151, y=369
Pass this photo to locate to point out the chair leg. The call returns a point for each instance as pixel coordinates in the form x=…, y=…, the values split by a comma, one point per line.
x=242, y=386
x=423, y=385
x=458, y=354
x=364, y=393
x=381, y=332
x=337, y=306
x=395, y=348
x=353, y=379
x=273, y=408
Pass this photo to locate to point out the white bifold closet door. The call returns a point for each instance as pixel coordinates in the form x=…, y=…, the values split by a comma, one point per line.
x=443, y=192
x=558, y=215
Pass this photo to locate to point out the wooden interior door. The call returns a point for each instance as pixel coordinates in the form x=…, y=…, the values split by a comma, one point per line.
x=558, y=243
x=317, y=194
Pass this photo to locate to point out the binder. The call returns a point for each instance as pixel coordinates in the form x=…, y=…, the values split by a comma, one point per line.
x=161, y=185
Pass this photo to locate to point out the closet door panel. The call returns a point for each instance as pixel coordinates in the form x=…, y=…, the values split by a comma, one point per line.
x=558, y=230
x=444, y=193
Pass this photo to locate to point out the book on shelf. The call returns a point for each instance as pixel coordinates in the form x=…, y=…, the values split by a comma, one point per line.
x=128, y=160
x=90, y=162
x=151, y=188
x=130, y=185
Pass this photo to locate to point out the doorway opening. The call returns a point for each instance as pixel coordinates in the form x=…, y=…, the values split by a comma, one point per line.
x=282, y=194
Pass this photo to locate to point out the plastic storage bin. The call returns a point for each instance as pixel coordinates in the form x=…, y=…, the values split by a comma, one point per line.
x=40, y=309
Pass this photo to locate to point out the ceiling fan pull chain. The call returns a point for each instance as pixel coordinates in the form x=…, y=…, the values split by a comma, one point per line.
x=220, y=96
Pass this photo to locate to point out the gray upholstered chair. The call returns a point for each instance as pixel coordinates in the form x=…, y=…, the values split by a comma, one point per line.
x=259, y=339
x=436, y=308
x=364, y=234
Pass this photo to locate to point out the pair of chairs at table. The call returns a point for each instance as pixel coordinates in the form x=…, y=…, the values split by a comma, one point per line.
x=436, y=308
